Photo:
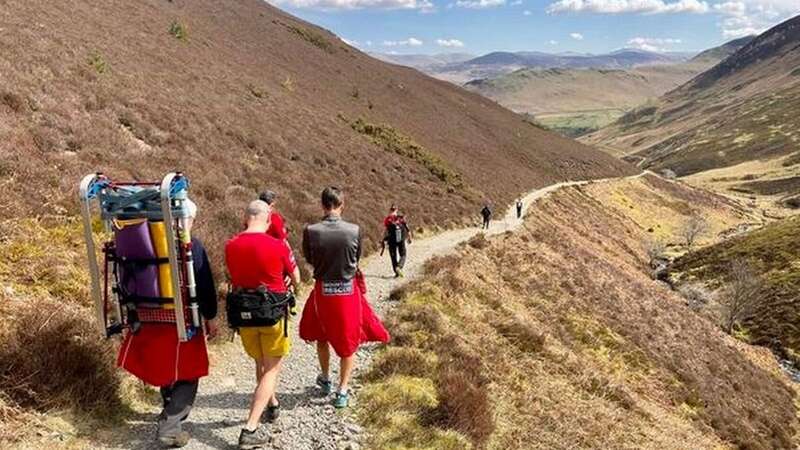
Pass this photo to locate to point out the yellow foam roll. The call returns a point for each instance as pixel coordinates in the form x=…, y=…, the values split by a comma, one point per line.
x=159, y=235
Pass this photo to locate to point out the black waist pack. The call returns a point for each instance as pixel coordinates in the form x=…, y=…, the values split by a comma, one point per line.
x=257, y=307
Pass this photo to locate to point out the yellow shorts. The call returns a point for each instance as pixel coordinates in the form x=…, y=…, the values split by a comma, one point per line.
x=260, y=342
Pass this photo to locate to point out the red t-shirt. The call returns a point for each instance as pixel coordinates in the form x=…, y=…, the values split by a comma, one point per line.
x=277, y=226
x=256, y=259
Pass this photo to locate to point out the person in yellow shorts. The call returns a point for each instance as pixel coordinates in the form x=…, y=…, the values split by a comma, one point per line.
x=257, y=260
x=261, y=342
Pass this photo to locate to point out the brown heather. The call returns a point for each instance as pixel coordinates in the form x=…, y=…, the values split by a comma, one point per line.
x=557, y=338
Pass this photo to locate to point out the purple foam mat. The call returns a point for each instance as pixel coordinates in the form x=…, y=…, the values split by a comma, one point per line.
x=133, y=241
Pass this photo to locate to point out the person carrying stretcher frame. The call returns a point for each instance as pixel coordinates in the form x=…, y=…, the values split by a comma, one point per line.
x=155, y=355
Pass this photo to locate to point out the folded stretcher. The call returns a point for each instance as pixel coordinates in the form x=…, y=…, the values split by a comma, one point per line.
x=148, y=273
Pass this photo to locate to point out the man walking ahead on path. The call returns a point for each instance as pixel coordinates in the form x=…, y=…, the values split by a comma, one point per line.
x=486, y=213
x=256, y=259
x=519, y=208
x=337, y=313
x=155, y=356
x=396, y=234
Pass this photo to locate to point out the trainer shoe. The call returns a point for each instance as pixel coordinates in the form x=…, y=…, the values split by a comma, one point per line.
x=273, y=411
x=259, y=438
x=177, y=440
x=342, y=400
x=324, y=384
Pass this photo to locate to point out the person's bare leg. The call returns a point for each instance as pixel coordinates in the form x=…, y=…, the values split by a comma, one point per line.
x=324, y=355
x=259, y=371
x=345, y=372
x=264, y=391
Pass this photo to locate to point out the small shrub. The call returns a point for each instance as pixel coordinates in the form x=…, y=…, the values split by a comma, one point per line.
x=741, y=294
x=355, y=92
x=312, y=37
x=178, y=30
x=693, y=229
x=14, y=101
x=53, y=357
x=479, y=241
x=696, y=295
x=522, y=333
x=406, y=361
x=288, y=84
x=97, y=62
x=256, y=92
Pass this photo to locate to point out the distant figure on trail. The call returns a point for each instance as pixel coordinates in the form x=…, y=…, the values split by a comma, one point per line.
x=155, y=356
x=337, y=313
x=259, y=265
x=519, y=208
x=396, y=234
x=486, y=213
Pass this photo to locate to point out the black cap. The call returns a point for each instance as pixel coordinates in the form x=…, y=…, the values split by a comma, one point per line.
x=268, y=197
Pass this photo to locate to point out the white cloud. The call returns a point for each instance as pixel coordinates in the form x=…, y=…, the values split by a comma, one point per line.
x=449, y=43
x=330, y=5
x=576, y=36
x=526, y=13
x=746, y=17
x=479, y=4
x=410, y=42
x=653, y=44
x=516, y=3
x=552, y=42
x=349, y=42
x=629, y=6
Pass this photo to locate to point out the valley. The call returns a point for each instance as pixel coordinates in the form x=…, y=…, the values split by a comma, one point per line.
x=647, y=297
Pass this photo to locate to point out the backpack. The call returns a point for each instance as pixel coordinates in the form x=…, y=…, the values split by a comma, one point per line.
x=394, y=232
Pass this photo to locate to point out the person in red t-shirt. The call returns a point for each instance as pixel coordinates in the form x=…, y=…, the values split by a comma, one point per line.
x=277, y=226
x=256, y=259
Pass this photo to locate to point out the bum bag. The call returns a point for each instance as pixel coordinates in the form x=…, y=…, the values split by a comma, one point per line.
x=258, y=308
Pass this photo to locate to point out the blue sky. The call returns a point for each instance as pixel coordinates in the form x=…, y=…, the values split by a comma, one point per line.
x=596, y=26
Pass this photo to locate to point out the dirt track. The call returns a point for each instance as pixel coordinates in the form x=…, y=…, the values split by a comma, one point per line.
x=307, y=421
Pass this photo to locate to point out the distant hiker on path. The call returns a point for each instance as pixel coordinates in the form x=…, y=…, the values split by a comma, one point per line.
x=519, y=208
x=155, y=356
x=258, y=265
x=486, y=213
x=396, y=234
x=337, y=313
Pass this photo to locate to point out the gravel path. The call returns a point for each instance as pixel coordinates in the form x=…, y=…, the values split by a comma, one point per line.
x=308, y=421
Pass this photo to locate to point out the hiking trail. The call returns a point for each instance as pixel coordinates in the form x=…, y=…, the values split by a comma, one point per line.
x=307, y=420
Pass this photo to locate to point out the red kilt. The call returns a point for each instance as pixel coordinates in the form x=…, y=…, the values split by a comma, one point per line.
x=155, y=356
x=341, y=316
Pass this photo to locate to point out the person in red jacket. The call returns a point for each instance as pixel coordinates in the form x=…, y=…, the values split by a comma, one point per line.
x=277, y=225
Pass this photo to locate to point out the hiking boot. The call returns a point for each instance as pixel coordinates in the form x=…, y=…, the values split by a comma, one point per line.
x=398, y=274
x=342, y=400
x=177, y=440
x=324, y=384
x=273, y=411
x=259, y=438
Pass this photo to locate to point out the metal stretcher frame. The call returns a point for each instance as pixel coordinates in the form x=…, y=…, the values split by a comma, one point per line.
x=172, y=193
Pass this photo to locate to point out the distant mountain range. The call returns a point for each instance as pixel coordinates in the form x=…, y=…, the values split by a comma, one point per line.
x=461, y=68
x=575, y=101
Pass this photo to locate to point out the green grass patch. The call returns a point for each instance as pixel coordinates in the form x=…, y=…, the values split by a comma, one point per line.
x=96, y=61
x=313, y=37
x=179, y=31
x=579, y=123
x=393, y=141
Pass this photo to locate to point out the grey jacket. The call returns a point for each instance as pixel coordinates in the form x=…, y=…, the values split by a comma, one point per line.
x=333, y=247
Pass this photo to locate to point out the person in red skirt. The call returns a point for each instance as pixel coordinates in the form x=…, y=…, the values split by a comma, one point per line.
x=337, y=313
x=154, y=355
